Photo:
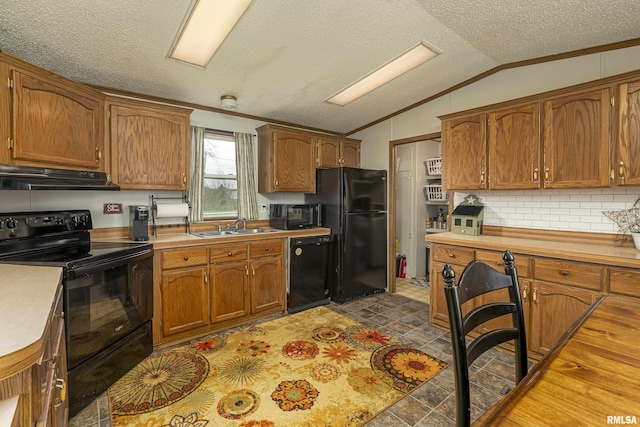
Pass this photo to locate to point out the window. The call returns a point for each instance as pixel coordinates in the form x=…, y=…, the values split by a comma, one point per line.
x=220, y=195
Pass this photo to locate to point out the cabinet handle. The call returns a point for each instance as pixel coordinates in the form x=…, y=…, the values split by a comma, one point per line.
x=535, y=295
x=564, y=272
x=184, y=178
x=98, y=155
x=59, y=315
x=230, y=254
x=524, y=294
x=535, y=175
x=500, y=263
x=206, y=278
x=63, y=389
x=253, y=271
x=246, y=271
x=275, y=182
x=546, y=175
x=481, y=177
x=186, y=258
x=621, y=171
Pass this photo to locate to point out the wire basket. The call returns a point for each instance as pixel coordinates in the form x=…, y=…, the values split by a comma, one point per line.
x=434, y=166
x=433, y=192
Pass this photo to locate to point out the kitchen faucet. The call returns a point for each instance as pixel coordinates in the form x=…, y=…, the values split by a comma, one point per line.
x=235, y=223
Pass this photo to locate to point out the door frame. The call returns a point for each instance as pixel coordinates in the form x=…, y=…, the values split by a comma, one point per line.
x=392, y=201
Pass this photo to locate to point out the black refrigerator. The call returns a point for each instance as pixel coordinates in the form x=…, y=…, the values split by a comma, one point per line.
x=354, y=206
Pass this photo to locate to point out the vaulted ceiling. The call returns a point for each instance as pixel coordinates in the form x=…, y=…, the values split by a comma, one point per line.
x=285, y=57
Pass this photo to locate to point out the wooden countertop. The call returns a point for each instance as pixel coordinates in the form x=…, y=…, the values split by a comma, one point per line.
x=28, y=295
x=593, y=373
x=594, y=253
x=177, y=240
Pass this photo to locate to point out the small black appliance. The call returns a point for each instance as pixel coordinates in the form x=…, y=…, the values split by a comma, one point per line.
x=293, y=217
x=139, y=223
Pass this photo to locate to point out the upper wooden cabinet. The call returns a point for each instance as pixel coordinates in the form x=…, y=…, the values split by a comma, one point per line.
x=50, y=121
x=464, y=153
x=335, y=152
x=576, y=132
x=626, y=165
x=149, y=145
x=286, y=160
x=514, y=147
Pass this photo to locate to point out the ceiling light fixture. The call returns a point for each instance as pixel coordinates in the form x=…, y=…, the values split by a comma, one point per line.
x=208, y=24
x=228, y=102
x=407, y=61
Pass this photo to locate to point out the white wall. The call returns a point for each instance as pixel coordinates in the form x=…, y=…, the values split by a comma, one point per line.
x=577, y=210
x=17, y=201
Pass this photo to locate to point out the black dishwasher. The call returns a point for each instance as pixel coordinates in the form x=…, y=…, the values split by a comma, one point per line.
x=310, y=268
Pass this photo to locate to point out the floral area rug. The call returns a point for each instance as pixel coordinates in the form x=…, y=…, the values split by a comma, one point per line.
x=313, y=368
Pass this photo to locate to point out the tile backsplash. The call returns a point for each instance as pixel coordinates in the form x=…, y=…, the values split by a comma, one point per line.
x=569, y=210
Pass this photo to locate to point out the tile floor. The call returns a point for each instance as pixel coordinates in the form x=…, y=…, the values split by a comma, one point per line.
x=432, y=404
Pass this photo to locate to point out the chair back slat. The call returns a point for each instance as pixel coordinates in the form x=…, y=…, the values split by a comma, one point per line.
x=480, y=315
x=477, y=279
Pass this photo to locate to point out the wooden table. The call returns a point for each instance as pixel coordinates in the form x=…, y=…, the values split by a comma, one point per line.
x=590, y=378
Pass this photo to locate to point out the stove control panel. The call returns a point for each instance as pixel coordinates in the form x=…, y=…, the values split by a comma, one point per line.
x=32, y=224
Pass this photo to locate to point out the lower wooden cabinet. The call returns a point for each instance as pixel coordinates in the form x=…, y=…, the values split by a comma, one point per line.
x=185, y=304
x=550, y=308
x=553, y=309
x=204, y=288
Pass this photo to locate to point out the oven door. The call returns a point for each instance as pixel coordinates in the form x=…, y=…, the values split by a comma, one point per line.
x=105, y=302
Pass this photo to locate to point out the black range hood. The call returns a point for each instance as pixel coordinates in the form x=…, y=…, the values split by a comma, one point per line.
x=35, y=178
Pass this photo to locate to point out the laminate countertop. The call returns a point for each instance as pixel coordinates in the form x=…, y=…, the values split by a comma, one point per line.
x=28, y=295
x=577, y=251
x=178, y=240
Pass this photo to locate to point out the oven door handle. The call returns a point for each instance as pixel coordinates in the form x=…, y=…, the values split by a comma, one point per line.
x=107, y=264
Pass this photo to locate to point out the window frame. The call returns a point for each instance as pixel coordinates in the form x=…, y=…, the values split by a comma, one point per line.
x=220, y=136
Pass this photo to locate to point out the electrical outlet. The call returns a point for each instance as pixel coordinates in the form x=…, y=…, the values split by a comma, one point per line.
x=263, y=208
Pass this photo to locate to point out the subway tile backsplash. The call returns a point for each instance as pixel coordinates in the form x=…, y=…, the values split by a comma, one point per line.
x=571, y=210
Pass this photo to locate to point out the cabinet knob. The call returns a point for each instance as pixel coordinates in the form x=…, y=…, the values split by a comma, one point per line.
x=186, y=258
x=500, y=263
x=451, y=255
x=266, y=248
x=564, y=272
x=621, y=171
x=230, y=254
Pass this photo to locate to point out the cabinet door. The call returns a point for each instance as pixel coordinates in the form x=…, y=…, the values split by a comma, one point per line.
x=514, y=148
x=438, y=307
x=627, y=165
x=553, y=310
x=229, y=291
x=328, y=153
x=267, y=286
x=55, y=126
x=576, y=133
x=150, y=149
x=350, y=154
x=185, y=304
x=294, y=162
x=464, y=156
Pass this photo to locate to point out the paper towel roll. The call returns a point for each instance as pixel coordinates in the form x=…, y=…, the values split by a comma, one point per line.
x=172, y=210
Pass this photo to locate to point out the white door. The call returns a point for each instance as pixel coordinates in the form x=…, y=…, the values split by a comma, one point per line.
x=405, y=206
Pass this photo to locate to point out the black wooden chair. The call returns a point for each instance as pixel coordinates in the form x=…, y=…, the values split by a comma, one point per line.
x=478, y=278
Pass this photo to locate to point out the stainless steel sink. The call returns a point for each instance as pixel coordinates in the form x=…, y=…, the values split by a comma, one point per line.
x=256, y=231
x=216, y=233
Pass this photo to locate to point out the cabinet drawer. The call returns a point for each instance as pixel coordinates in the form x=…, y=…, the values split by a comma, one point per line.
x=184, y=258
x=453, y=254
x=494, y=259
x=264, y=248
x=569, y=273
x=626, y=282
x=226, y=253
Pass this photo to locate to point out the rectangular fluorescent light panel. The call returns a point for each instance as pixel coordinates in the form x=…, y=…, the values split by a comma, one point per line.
x=403, y=63
x=208, y=25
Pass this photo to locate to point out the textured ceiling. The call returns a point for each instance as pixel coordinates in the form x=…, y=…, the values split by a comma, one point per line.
x=285, y=57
